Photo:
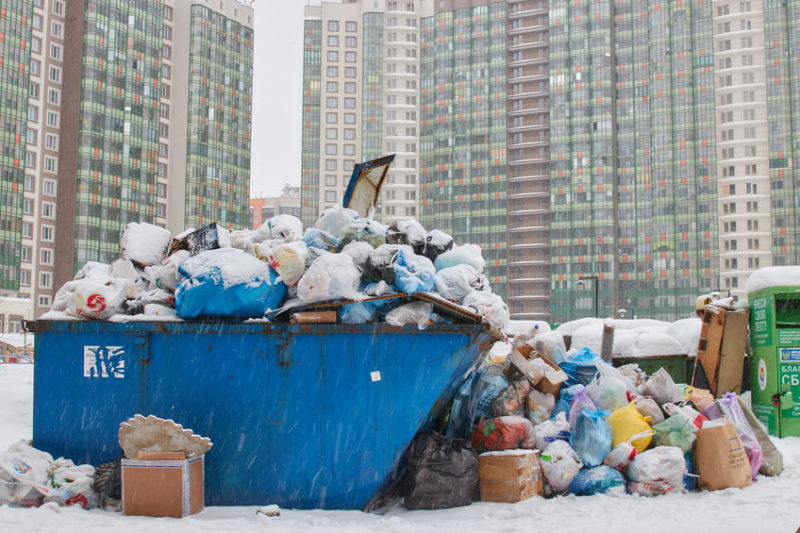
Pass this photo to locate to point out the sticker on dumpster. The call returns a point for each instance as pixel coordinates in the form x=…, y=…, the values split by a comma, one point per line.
x=376, y=376
x=104, y=361
x=762, y=374
x=790, y=354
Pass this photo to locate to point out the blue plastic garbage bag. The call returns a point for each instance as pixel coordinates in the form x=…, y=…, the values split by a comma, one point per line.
x=474, y=398
x=691, y=475
x=318, y=238
x=213, y=285
x=413, y=273
x=580, y=367
x=358, y=313
x=596, y=480
x=591, y=436
x=565, y=400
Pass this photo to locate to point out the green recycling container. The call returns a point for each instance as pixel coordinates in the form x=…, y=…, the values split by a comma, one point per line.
x=775, y=340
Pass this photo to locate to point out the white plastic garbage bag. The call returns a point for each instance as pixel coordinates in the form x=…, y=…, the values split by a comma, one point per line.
x=165, y=275
x=71, y=484
x=490, y=306
x=610, y=390
x=469, y=254
x=96, y=299
x=560, y=464
x=331, y=276
x=285, y=227
x=335, y=219
x=144, y=243
x=455, y=282
x=22, y=468
x=662, y=463
x=418, y=313
x=359, y=251
x=552, y=430
x=662, y=388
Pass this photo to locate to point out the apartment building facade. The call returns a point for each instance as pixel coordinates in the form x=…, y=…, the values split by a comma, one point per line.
x=109, y=124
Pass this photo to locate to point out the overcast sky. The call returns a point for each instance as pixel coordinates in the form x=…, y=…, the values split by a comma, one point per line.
x=277, y=92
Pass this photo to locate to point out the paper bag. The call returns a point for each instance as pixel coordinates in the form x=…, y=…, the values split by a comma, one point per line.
x=720, y=457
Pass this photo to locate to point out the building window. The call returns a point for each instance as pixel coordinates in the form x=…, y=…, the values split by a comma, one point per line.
x=33, y=91
x=57, y=29
x=55, y=51
x=37, y=22
x=330, y=180
x=348, y=164
x=55, y=74
x=331, y=133
x=36, y=67
x=350, y=87
x=351, y=25
x=332, y=87
x=54, y=96
x=333, y=72
x=48, y=210
x=350, y=41
x=349, y=149
x=30, y=160
x=58, y=7
x=333, y=40
x=44, y=301
x=48, y=233
x=51, y=141
x=46, y=256
x=164, y=111
x=333, y=56
x=350, y=103
x=163, y=150
x=166, y=52
x=164, y=90
x=349, y=134
x=330, y=149
x=29, y=183
x=161, y=210
x=50, y=164
x=27, y=206
x=163, y=130
x=350, y=57
x=45, y=280
x=33, y=113
x=31, y=136
x=166, y=71
x=330, y=196
x=333, y=25
x=167, y=32
x=330, y=164
x=49, y=187
x=26, y=254
x=36, y=45
x=53, y=119
x=331, y=118
x=332, y=102
x=349, y=118
x=25, y=278
x=350, y=72
x=27, y=230
x=168, y=12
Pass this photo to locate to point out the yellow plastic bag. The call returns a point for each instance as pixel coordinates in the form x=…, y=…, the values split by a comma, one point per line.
x=626, y=422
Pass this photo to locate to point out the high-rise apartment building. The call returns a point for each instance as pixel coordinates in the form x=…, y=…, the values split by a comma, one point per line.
x=264, y=208
x=673, y=151
x=528, y=159
x=360, y=100
x=463, y=179
x=127, y=105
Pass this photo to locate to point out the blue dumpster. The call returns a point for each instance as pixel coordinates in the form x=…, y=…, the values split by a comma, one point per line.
x=301, y=415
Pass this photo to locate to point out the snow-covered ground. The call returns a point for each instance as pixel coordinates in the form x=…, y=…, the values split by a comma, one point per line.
x=770, y=504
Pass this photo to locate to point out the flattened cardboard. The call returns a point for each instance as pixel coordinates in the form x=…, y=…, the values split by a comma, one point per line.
x=163, y=487
x=314, y=317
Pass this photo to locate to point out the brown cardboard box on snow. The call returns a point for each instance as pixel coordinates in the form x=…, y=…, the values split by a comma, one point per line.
x=510, y=476
x=549, y=384
x=162, y=484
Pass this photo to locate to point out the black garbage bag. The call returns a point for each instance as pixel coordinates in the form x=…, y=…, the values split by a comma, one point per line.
x=407, y=231
x=435, y=244
x=440, y=472
x=380, y=263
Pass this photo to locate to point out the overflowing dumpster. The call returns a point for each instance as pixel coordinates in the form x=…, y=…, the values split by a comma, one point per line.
x=301, y=415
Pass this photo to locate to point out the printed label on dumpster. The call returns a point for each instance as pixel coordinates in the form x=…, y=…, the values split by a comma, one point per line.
x=788, y=336
x=376, y=375
x=104, y=361
x=789, y=370
x=760, y=333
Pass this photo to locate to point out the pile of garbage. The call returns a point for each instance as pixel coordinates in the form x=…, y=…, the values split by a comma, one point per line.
x=213, y=272
x=31, y=477
x=597, y=428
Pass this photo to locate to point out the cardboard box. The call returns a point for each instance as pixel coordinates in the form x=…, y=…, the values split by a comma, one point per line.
x=720, y=457
x=162, y=484
x=314, y=317
x=510, y=476
x=549, y=383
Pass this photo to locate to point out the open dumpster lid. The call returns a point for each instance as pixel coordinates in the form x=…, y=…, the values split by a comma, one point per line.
x=365, y=184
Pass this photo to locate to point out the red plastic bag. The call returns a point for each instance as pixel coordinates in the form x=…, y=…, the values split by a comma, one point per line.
x=503, y=433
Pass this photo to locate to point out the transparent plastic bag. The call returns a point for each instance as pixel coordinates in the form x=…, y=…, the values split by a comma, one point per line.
x=580, y=402
x=540, y=406
x=289, y=261
x=469, y=254
x=662, y=388
x=552, y=430
x=675, y=431
x=597, y=480
x=335, y=219
x=503, y=433
x=490, y=306
x=454, y=283
x=730, y=407
x=648, y=407
x=418, y=313
x=331, y=276
x=662, y=463
x=286, y=227
x=609, y=390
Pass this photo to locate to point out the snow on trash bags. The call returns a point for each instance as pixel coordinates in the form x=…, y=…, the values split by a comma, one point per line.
x=549, y=431
x=227, y=282
x=490, y=306
x=331, y=276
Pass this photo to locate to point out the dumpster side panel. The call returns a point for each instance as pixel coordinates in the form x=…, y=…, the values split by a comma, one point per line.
x=85, y=384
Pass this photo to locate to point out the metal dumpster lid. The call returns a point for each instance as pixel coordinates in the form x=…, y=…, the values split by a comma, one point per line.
x=365, y=184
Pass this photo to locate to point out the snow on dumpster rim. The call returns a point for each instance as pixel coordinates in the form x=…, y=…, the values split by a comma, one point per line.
x=776, y=276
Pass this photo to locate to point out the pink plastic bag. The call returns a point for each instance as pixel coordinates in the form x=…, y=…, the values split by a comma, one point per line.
x=580, y=402
x=729, y=405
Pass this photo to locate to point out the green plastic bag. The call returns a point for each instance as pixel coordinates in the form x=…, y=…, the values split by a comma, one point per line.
x=675, y=431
